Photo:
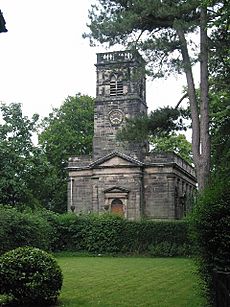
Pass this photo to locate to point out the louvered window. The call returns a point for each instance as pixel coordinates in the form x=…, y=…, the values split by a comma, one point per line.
x=116, y=86
x=113, y=86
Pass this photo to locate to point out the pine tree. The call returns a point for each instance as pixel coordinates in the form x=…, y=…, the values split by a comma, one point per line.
x=163, y=31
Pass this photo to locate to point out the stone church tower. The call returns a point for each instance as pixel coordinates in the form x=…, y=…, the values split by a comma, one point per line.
x=124, y=178
x=120, y=95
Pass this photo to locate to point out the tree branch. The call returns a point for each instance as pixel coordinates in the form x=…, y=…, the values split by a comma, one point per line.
x=182, y=98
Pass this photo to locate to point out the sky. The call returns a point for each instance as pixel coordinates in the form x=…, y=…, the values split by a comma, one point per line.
x=44, y=59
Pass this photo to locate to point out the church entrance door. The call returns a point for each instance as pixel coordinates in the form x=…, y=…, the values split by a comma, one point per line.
x=117, y=207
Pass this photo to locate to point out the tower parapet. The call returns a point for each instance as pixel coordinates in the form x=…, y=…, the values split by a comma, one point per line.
x=117, y=56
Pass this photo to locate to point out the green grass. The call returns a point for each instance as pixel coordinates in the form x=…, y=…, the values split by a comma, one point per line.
x=107, y=281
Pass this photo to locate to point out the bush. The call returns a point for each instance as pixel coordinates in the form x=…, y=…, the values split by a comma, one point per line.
x=113, y=234
x=67, y=232
x=23, y=229
x=167, y=249
x=89, y=233
x=31, y=276
x=211, y=224
x=101, y=233
x=138, y=236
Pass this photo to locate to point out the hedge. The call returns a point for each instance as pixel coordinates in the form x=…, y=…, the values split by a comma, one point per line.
x=23, y=229
x=108, y=234
x=211, y=225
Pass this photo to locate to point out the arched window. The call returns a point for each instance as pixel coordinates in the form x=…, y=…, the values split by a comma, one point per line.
x=116, y=86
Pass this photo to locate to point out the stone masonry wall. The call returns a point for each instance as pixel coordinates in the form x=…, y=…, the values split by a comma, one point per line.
x=128, y=178
x=130, y=104
x=158, y=193
x=80, y=191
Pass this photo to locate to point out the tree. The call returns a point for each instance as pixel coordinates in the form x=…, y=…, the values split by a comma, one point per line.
x=219, y=60
x=158, y=123
x=219, y=70
x=159, y=128
x=2, y=23
x=220, y=132
x=162, y=29
x=20, y=162
x=210, y=221
x=175, y=143
x=68, y=131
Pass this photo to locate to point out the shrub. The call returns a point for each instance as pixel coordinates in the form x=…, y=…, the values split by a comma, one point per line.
x=101, y=233
x=138, y=236
x=113, y=234
x=53, y=220
x=211, y=224
x=90, y=233
x=23, y=229
x=67, y=232
x=167, y=249
x=30, y=275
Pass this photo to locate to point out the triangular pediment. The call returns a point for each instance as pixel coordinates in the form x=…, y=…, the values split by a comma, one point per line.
x=116, y=189
x=116, y=159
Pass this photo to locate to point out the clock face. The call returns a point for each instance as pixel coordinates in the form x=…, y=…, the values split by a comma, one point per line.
x=116, y=117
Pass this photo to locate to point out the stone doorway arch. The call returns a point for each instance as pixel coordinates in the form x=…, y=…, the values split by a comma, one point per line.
x=116, y=201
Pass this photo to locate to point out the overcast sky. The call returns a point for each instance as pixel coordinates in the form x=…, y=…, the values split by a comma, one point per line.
x=44, y=59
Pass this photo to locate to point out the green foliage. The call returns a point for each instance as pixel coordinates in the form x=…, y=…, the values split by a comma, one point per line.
x=159, y=129
x=219, y=71
x=113, y=234
x=23, y=229
x=219, y=61
x=167, y=249
x=158, y=123
x=30, y=276
x=149, y=26
x=175, y=143
x=101, y=234
x=220, y=132
x=211, y=222
x=89, y=233
x=134, y=129
x=20, y=162
x=68, y=131
x=67, y=236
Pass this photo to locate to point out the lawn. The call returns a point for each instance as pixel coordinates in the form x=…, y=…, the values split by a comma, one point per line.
x=129, y=281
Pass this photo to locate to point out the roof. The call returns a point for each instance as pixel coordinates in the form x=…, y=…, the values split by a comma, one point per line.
x=119, y=155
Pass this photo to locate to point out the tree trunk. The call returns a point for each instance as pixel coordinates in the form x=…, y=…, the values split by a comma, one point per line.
x=192, y=101
x=204, y=110
x=200, y=120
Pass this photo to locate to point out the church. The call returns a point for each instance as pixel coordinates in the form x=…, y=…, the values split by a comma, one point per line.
x=125, y=178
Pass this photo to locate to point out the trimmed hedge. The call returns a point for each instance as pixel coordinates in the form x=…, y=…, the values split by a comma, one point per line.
x=108, y=234
x=112, y=234
x=23, y=229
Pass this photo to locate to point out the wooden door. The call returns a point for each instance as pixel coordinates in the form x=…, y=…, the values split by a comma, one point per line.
x=117, y=207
